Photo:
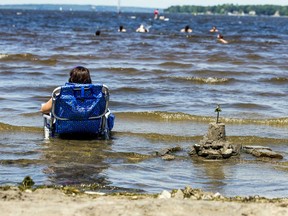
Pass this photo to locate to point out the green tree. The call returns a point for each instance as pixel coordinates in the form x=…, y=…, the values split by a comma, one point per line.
x=267, y=10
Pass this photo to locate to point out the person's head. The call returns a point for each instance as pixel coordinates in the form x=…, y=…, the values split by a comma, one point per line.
x=220, y=36
x=187, y=27
x=80, y=75
x=121, y=28
x=98, y=32
x=214, y=29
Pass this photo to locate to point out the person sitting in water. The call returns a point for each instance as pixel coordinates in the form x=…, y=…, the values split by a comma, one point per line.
x=79, y=75
x=187, y=29
x=220, y=38
x=142, y=29
x=121, y=29
x=214, y=29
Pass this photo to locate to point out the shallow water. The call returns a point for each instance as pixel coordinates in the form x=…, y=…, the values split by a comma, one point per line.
x=164, y=90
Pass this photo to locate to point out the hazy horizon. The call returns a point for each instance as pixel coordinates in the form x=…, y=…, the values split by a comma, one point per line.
x=147, y=3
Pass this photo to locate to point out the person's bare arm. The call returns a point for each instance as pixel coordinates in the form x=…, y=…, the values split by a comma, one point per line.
x=46, y=108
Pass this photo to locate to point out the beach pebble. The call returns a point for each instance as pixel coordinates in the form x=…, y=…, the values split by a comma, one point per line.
x=227, y=153
x=168, y=150
x=218, y=195
x=266, y=153
x=179, y=194
x=262, y=151
x=207, y=197
x=249, y=149
x=165, y=195
x=94, y=193
x=168, y=157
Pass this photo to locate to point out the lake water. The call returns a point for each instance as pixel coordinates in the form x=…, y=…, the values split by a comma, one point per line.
x=164, y=85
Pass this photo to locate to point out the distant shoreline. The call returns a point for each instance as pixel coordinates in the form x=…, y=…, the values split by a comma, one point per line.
x=171, y=10
x=75, y=7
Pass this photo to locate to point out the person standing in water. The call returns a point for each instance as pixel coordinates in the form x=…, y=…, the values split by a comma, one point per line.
x=156, y=14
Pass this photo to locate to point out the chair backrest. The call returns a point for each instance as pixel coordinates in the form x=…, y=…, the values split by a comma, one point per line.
x=79, y=108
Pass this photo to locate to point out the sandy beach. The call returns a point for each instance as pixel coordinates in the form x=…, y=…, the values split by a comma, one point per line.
x=48, y=201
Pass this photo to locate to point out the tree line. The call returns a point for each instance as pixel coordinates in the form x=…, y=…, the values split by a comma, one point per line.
x=267, y=10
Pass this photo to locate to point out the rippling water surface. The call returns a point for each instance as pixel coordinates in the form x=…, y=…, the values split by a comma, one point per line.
x=164, y=89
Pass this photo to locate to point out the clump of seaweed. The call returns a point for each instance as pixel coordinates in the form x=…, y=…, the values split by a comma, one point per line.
x=27, y=183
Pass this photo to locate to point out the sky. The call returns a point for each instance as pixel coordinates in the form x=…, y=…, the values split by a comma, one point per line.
x=149, y=3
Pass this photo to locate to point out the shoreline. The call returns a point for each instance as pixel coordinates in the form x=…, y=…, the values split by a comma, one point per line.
x=70, y=201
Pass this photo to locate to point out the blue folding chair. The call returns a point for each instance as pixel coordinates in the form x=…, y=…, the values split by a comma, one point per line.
x=79, y=110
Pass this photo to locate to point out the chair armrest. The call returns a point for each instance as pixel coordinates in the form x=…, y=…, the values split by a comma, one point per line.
x=47, y=116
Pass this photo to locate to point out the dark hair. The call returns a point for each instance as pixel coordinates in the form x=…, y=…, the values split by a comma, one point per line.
x=187, y=27
x=98, y=32
x=80, y=75
x=220, y=36
x=121, y=28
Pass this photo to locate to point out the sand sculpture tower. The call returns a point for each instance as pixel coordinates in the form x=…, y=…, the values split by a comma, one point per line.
x=214, y=144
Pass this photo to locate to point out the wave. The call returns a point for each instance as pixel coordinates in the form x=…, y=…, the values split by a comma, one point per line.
x=251, y=140
x=120, y=70
x=2, y=56
x=178, y=116
x=249, y=106
x=8, y=127
x=219, y=57
x=253, y=56
x=175, y=65
x=142, y=45
x=224, y=73
x=271, y=94
x=157, y=136
x=202, y=80
x=130, y=90
x=20, y=56
x=32, y=73
x=159, y=116
x=277, y=80
x=244, y=140
x=27, y=57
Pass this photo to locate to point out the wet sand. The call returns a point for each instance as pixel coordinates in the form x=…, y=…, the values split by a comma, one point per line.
x=48, y=201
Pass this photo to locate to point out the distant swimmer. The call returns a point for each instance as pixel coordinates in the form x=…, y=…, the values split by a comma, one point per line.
x=121, y=29
x=142, y=29
x=156, y=13
x=187, y=29
x=214, y=29
x=97, y=33
x=220, y=38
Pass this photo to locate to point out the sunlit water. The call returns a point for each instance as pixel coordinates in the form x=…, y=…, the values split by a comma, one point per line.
x=164, y=89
